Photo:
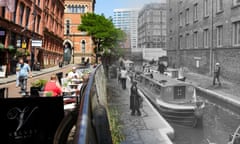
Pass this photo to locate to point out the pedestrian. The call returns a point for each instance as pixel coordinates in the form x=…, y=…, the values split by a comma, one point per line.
x=216, y=74
x=24, y=73
x=135, y=99
x=119, y=75
x=17, y=74
x=52, y=87
x=73, y=74
x=161, y=68
x=124, y=77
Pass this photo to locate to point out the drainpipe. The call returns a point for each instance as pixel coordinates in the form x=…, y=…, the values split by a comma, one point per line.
x=211, y=48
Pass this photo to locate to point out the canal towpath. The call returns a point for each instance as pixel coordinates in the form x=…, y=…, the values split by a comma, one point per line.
x=149, y=128
x=228, y=91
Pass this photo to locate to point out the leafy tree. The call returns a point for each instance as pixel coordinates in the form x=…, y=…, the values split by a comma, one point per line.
x=104, y=34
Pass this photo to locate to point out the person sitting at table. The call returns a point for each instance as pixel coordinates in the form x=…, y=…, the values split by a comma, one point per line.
x=73, y=74
x=53, y=87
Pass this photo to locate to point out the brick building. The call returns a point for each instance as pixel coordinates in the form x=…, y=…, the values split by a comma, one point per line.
x=203, y=32
x=38, y=20
x=78, y=46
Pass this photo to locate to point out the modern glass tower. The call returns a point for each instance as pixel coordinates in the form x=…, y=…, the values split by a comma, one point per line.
x=126, y=20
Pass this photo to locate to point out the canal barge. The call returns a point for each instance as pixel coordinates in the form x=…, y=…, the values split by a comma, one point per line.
x=175, y=100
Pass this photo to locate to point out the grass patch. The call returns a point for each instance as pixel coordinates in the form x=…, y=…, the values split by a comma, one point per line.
x=115, y=126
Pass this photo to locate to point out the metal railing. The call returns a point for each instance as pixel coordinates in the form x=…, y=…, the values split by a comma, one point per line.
x=88, y=125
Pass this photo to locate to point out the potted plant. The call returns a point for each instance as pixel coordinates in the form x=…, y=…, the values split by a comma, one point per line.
x=37, y=86
x=11, y=49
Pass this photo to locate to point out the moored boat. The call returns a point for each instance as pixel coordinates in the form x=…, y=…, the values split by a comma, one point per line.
x=175, y=100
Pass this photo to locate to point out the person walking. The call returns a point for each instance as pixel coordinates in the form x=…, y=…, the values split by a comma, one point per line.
x=135, y=99
x=24, y=73
x=124, y=77
x=217, y=74
x=17, y=74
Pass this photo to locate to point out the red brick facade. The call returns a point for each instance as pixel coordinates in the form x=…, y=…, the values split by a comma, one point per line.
x=20, y=26
x=79, y=43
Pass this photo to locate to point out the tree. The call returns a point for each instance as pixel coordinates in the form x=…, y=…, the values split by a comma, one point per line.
x=104, y=34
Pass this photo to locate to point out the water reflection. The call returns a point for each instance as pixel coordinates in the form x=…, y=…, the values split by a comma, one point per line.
x=218, y=124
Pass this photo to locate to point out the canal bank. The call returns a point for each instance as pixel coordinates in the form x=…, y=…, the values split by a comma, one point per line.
x=226, y=95
x=149, y=128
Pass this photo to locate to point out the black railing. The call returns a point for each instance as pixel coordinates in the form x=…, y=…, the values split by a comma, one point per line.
x=92, y=124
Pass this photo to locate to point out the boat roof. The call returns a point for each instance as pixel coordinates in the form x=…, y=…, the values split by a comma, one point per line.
x=128, y=61
x=166, y=81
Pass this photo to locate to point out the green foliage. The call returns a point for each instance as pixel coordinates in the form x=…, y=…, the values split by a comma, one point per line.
x=105, y=36
x=115, y=126
x=39, y=83
x=22, y=52
x=1, y=45
x=11, y=49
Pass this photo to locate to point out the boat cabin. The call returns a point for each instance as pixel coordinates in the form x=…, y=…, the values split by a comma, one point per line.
x=170, y=90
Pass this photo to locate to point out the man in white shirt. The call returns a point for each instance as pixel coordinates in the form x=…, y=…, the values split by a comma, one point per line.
x=124, y=73
x=73, y=74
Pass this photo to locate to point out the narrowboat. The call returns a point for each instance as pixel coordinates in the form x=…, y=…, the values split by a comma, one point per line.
x=175, y=100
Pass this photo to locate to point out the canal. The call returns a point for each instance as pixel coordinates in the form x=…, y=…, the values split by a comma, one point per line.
x=217, y=124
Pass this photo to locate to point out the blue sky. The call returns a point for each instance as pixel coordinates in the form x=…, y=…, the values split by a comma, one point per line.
x=107, y=6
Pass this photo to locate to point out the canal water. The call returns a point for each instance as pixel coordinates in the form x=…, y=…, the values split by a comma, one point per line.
x=217, y=124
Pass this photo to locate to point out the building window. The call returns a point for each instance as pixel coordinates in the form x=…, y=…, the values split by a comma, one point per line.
x=188, y=41
x=236, y=33
x=83, y=45
x=68, y=27
x=236, y=2
x=180, y=19
x=205, y=8
x=15, y=12
x=21, y=13
x=69, y=9
x=27, y=16
x=219, y=5
x=181, y=42
x=39, y=3
x=170, y=43
x=3, y=12
x=219, y=36
x=187, y=16
x=38, y=22
x=205, y=38
x=195, y=39
x=195, y=12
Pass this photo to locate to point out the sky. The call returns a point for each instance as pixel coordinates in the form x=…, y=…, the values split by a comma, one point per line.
x=106, y=7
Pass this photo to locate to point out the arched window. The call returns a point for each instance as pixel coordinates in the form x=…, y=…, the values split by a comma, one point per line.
x=75, y=9
x=79, y=9
x=83, y=45
x=72, y=9
x=83, y=9
x=69, y=8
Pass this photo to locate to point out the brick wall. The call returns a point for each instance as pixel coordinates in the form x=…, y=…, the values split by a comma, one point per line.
x=227, y=57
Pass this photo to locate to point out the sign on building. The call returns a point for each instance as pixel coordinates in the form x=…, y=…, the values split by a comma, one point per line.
x=36, y=43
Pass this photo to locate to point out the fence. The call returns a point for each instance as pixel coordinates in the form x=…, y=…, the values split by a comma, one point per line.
x=92, y=124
